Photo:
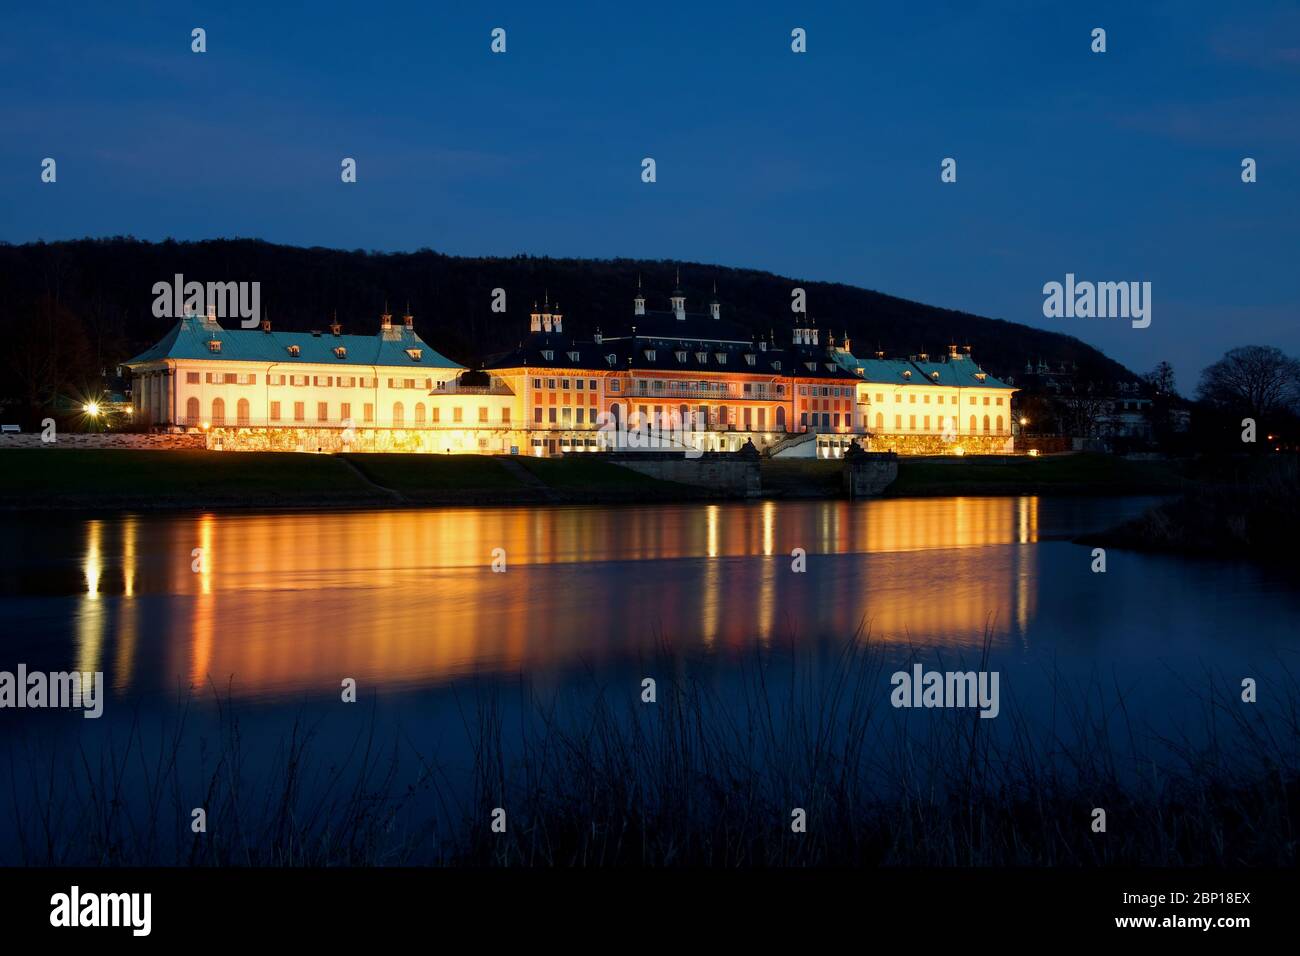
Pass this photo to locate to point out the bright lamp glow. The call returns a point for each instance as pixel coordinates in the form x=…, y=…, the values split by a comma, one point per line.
x=91, y=408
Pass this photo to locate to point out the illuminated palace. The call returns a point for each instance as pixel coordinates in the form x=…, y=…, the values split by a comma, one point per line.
x=719, y=384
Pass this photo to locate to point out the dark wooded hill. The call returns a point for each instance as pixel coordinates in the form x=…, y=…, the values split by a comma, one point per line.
x=100, y=290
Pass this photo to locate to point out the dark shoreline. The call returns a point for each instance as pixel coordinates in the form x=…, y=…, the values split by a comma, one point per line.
x=119, y=481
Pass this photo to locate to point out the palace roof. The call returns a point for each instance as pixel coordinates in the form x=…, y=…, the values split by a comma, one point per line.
x=662, y=351
x=191, y=338
x=960, y=371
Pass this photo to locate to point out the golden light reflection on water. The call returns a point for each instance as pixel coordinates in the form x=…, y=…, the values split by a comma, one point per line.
x=298, y=601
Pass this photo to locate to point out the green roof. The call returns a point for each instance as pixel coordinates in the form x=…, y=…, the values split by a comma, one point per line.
x=960, y=372
x=189, y=338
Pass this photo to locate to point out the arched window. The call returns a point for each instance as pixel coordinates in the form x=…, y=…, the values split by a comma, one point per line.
x=399, y=415
x=999, y=424
x=419, y=413
x=192, y=413
x=616, y=413
x=973, y=428
x=241, y=412
x=218, y=411
x=986, y=424
x=780, y=418
x=880, y=421
x=684, y=423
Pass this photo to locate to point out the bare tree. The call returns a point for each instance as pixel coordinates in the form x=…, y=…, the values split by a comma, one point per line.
x=1257, y=380
x=1161, y=379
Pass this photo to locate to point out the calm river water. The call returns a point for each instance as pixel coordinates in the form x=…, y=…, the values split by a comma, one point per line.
x=271, y=612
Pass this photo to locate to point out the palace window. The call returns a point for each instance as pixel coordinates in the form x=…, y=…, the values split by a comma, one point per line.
x=275, y=411
x=345, y=411
x=505, y=415
x=573, y=356
x=415, y=354
x=614, y=385
x=483, y=414
x=437, y=414
x=750, y=358
x=650, y=355
x=322, y=411
x=294, y=351
x=214, y=345
x=192, y=378
x=299, y=412
x=340, y=352
x=681, y=355
x=548, y=355
x=721, y=357
x=368, y=413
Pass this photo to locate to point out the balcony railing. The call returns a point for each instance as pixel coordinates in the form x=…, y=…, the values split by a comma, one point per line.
x=454, y=388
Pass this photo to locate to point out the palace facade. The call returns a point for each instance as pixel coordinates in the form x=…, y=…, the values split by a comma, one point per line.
x=700, y=379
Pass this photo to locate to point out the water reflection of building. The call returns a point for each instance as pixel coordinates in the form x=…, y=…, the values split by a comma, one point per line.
x=297, y=602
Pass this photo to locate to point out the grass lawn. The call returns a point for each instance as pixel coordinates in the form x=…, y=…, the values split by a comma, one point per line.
x=103, y=473
x=1081, y=472
x=416, y=473
x=577, y=472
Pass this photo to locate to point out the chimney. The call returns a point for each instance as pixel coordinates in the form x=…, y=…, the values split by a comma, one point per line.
x=813, y=332
x=386, y=319
x=798, y=336
x=535, y=320
x=715, y=307
x=266, y=326
x=679, y=299
x=556, y=318
x=211, y=318
x=598, y=338
x=334, y=325
x=408, y=320
x=638, y=304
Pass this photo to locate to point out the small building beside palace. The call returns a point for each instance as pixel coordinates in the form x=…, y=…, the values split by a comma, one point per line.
x=694, y=379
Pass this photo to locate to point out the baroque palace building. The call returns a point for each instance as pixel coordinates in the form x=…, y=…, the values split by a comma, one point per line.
x=710, y=381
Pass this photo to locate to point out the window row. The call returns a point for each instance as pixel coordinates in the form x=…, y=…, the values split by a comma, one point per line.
x=298, y=412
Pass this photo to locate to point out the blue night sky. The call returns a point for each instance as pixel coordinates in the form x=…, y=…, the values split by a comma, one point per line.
x=1122, y=166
